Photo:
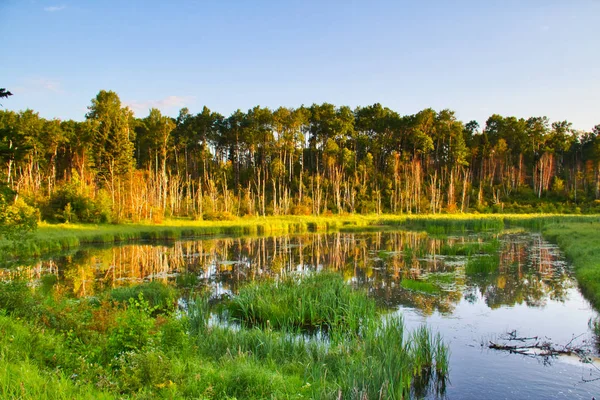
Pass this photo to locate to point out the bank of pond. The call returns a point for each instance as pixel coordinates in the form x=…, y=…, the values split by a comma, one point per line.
x=352, y=314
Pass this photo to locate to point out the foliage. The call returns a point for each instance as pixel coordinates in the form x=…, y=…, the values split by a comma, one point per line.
x=294, y=161
x=155, y=294
x=72, y=203
x=16, y=217
x=419, y=286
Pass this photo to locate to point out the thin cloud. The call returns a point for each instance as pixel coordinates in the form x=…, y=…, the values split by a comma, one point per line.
x=39, y=85
x=169, y=102
x=55, y=8
x=45, y=84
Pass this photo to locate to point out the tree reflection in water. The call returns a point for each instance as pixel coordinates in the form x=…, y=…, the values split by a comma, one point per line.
x=520, y=268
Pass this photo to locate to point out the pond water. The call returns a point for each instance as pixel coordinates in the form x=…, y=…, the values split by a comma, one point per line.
x=472, y=288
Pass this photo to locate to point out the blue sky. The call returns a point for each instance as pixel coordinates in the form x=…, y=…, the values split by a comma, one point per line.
x=522, y=58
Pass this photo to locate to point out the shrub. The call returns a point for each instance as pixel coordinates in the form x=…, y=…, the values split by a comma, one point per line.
x=218, y=216
x=132, y=328
x=16, y=217
x=159, y=296
x=70, y=203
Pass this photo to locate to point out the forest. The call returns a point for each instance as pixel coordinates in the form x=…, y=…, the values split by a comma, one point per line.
x=319, y=160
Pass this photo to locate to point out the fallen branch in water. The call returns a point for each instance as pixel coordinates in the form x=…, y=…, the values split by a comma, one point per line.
x=533, y=347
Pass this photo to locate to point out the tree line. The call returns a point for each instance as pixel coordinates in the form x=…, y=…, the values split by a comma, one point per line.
x=308, y=160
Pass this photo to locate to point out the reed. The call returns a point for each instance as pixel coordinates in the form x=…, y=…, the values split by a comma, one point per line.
x=482, y=264
x=309, y=302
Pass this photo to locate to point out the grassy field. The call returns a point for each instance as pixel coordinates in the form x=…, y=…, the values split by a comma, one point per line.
x=580, y=242
x=50, y=238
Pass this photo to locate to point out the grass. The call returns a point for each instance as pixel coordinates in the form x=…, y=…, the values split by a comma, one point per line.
x=441, y=278
x=158, y=295
x=54, y=346
x=311, y=302
x=580, y=242
x=470, y=248
x=376, y=361
x=482, y=264
x=132, y=343
x=420, y=286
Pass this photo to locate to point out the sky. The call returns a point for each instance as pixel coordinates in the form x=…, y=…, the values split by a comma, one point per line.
x=510, y=57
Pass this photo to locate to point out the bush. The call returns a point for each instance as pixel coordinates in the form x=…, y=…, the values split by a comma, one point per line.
x=159, y=296
x=218, y=216
x=71, y=203
x=15, y=296
x=132, y=329
x=16, y=217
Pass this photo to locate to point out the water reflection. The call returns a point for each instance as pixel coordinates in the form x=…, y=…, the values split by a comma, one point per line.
x=438, y=272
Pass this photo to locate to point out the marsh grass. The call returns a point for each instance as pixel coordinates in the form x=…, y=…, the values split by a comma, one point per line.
x=580, y=242
x=309, y=302
x=486, y=246
x=360, y=354
x=420, y=286
x=441, y=278
x=482, y=264
x=25, y=380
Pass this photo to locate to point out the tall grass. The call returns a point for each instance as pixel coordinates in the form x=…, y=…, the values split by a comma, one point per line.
x=360, y=356
x=25, y=380
x=310, y=302
x=482, y=264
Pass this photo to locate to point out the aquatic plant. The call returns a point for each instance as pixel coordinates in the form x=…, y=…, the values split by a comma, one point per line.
x=420, y=286
x=313, y=301
x=482, y=264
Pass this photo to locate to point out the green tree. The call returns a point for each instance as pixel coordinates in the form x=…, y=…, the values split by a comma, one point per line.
x=113, y=142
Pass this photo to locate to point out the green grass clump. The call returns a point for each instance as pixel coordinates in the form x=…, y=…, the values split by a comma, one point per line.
x=441, y=278
x=470, y=248
x=482, y=264
x=419, y=286
x=24, y=380
x=158, y=295
x=315, y=301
